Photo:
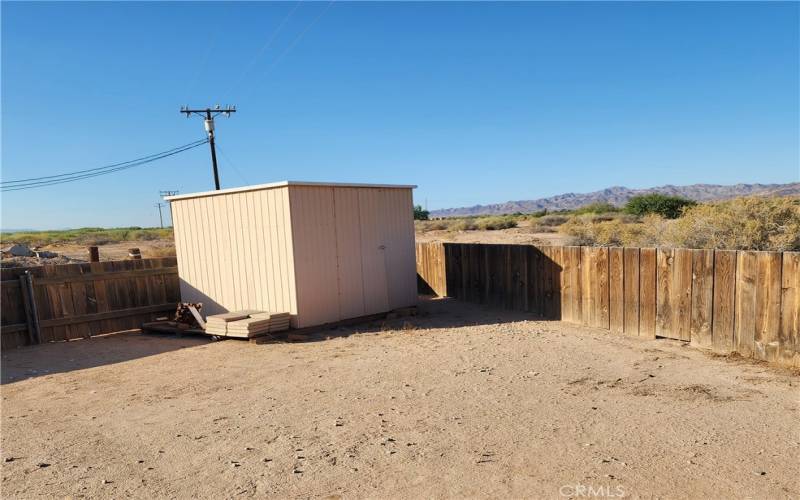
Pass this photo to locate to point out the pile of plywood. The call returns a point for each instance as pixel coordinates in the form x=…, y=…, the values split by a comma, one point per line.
x=246, y=324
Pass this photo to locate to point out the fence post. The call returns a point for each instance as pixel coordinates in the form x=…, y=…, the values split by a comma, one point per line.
x=94, y=254
x=31, y=313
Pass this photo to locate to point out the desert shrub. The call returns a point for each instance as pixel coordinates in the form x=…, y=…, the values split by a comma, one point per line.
x=589, y=230
x=596, y=208
x=159, y=252
x=87, y=236
x=552, y=220
x=420, y=213
x=669, y=207
x=463, y=225
x=751, y=223
x=494, y=223
x=431, y=225
x=748, y=223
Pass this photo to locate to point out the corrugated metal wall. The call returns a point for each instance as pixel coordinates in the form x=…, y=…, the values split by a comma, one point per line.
x=322, y=252
x=235, y=251
x=354, y=251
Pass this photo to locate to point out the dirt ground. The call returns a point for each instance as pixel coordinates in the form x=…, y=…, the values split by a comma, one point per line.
x=71, y=253
x=522, y=235
x=460, y=401
x=116, y=251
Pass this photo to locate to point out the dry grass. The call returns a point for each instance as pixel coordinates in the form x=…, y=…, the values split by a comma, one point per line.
x=748, y=223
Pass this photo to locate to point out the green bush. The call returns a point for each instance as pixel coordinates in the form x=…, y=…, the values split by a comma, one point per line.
x=420, y=213
x=669, y=207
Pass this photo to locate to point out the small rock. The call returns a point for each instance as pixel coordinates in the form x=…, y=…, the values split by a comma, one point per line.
x=760, y=473
x=106, y=481
x=297, y=471
x=9, y=459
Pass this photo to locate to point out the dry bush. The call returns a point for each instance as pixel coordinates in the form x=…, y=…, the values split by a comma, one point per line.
x=463, y=225
x=495, y=223
x=431, y=225
x=591, y=230
x=748, y=223
x=152, y=253
x=552, y=220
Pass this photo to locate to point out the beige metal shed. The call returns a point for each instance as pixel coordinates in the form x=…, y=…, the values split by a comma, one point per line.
x=323, y=252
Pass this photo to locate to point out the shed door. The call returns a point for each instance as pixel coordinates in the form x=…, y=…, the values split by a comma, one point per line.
x=373, y=252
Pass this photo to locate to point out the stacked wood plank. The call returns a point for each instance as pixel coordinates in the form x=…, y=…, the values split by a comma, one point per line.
x=246, y=324
x=218, y=323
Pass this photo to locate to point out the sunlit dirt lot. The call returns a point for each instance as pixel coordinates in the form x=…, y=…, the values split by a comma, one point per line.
x=459, y=401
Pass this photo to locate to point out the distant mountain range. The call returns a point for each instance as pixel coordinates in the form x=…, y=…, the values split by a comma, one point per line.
x=619, y=195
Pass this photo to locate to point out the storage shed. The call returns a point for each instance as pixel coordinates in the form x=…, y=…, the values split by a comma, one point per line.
x=323, y=252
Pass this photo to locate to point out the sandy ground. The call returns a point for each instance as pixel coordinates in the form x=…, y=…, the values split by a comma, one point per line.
x=460, y=401
x=115, y=251
x=524, y=234
x=70, y=253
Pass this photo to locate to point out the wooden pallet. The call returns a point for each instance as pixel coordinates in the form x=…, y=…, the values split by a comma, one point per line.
x=170, y=327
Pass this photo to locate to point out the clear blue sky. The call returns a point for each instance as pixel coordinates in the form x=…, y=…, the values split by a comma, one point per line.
x=474, y=102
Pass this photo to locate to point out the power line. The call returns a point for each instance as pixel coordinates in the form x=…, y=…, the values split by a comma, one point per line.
x=31, y=183
x=69, y=174
x=235, y=169
x=263, y=49
x=296, y=40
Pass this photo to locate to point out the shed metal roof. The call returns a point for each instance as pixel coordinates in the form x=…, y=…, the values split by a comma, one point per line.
x=272, y=185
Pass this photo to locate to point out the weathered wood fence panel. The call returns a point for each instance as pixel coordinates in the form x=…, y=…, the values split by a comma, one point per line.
x=729, y=301
x=80, y=300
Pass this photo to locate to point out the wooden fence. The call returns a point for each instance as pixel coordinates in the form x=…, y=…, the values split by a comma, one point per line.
x=729, y=301
x=51, y=303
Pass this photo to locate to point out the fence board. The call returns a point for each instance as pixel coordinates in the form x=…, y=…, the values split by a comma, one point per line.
x=664, y=262
x=682, y=294
x=647, y=293
x=768, y=305
x=73, y=300
x=702, y=297
x=789, y=333
x=745, y=322
x=722, y=330
x=587, y=286
x=616, y=290
x=747, y=302
x=601, y=284
x=631, y=291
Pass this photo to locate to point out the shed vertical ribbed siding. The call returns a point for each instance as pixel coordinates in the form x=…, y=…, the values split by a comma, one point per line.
x=348, y=247
x=235, y=251
x=314, y=243
x=354, y=251
x=398, y=227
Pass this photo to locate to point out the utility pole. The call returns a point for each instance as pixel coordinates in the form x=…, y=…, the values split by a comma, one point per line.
x=209, y=114
x=160, y=218
x=168, y=192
